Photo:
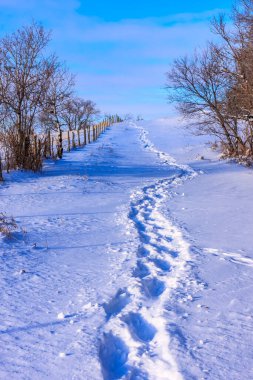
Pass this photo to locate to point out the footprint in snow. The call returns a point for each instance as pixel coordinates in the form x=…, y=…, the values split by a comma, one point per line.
x=143, y=252
x=117, y=303
x=161, y=264
x=139, y=327
x=141, y=270
x=153, y=287
x=113, y=354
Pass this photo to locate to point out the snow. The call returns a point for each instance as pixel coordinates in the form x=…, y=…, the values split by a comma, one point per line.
x=133, y=260
x=214, y=211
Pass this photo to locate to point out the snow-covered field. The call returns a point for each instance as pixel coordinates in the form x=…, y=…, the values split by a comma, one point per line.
x=133, y=260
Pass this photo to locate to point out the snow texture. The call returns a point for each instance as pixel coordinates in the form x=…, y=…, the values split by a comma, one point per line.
x=128, y=263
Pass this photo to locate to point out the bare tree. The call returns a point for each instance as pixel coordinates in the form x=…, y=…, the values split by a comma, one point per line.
x=59, y=92
x=79, y=113
x=214, y=88
x=24, y=76
x=199, y=88
x=237, y=54
x=36, y=97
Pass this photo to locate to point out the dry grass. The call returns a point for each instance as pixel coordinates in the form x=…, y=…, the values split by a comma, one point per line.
x=7, y=225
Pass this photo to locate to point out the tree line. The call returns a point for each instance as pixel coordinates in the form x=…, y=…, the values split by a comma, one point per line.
x=37, y=97
x=213, y=88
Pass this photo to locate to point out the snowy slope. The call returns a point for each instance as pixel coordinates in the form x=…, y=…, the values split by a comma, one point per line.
x=123, y=270
x=79, y=249
x=212, y=327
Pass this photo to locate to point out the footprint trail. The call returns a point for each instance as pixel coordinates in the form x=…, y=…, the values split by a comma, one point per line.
x=136, y=341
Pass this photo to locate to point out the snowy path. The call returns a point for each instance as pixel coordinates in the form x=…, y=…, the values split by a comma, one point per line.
x=82, y=245
x=136, y=339
x=100, y=283
x=137, y=324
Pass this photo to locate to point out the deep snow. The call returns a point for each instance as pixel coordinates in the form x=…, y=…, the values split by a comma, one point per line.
x=212, y=328
x=129, y=264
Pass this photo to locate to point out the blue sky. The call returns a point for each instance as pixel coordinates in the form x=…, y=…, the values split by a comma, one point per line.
x=119, y=51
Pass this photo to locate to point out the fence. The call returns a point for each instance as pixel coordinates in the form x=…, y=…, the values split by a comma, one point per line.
x=54, y=144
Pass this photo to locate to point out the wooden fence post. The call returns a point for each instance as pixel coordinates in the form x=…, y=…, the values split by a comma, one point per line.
x=52, y=147
x=59, y=145
x=78, y=136
x=48, y=143
x=1, y=170
x=39, y=157
x=7, y=159
x=35, y=146
x=68, y=142
x=73, y=140
x=89, y=136
x=84, y=135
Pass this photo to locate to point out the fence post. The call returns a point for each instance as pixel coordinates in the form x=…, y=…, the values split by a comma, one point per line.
x=39, y=157
x=68, y=141
x=84, y=136
x=78, y=136
x=59, y=145
x=1, y=170
x=73, y=140
x=7, y=159
x=52, y=147
x=89, y=136
x=48, y=150
x=35, y=146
